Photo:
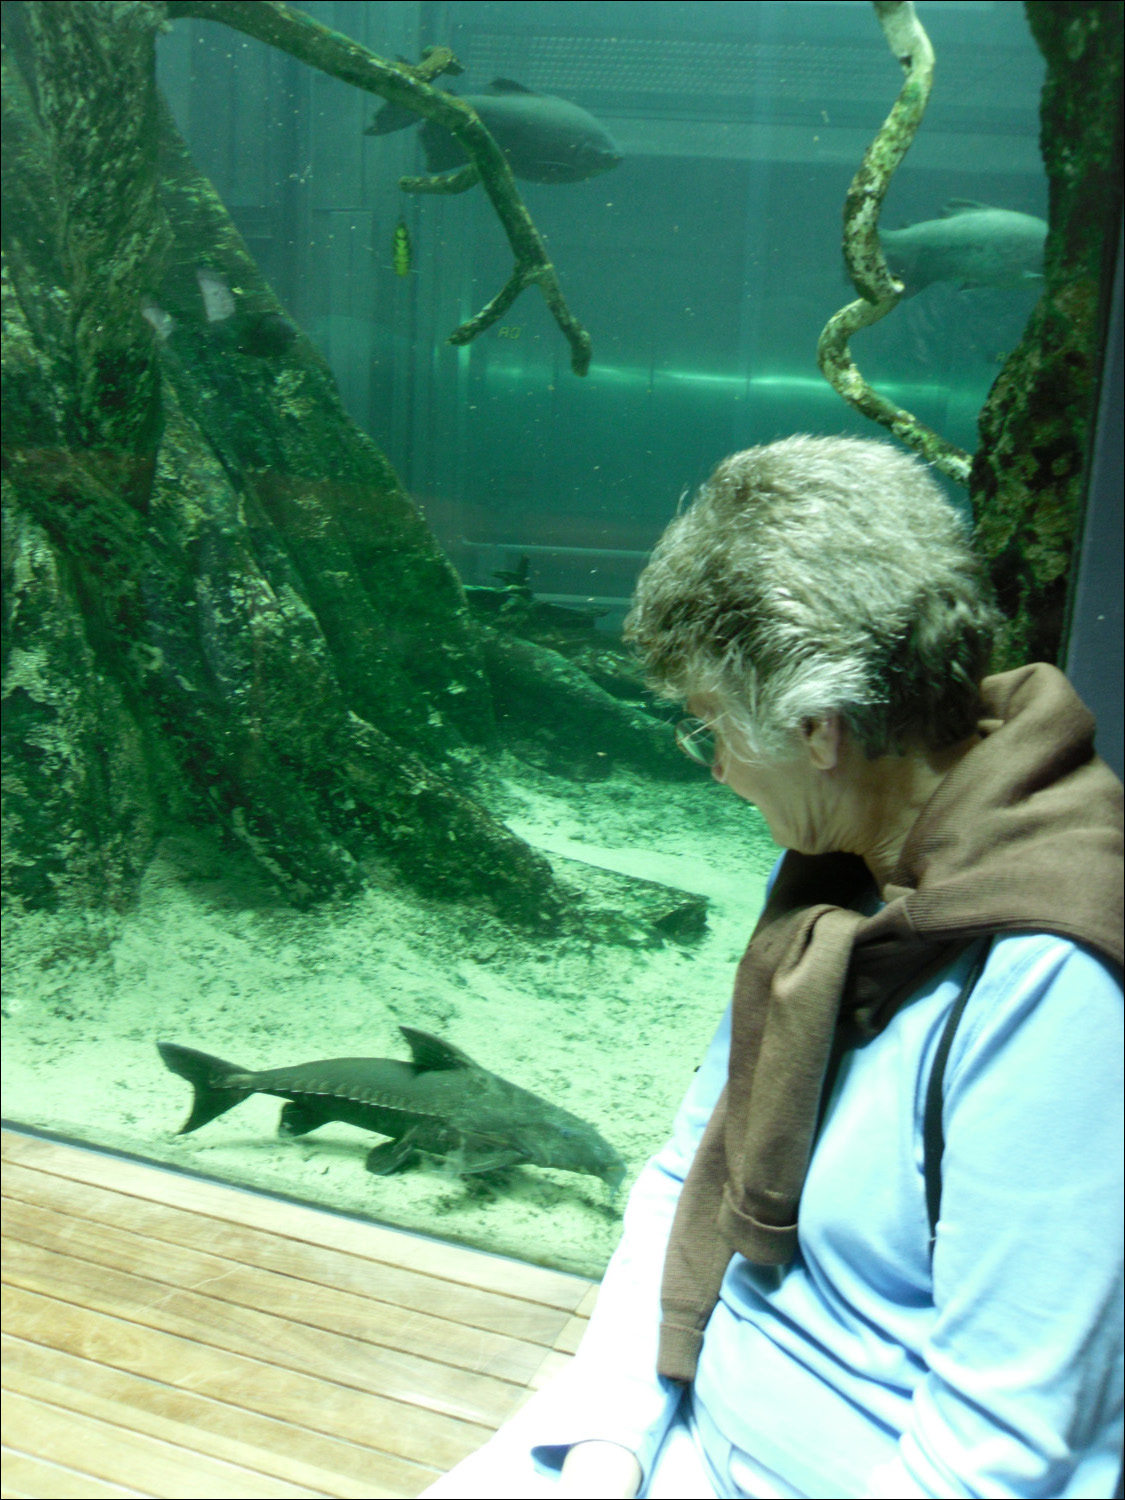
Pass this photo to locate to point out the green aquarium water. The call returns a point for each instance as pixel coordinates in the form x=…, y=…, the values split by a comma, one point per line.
x=318, y=722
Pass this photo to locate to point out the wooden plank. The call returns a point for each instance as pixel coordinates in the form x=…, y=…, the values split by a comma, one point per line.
x=24, y=1477
x=316, y=1226
x=209, y=1426
x=274, y=1293
x=232, y=1343
x=586, y=1307
x=432, y=1296
x=195, y=1315
x=571, y=1336
x=113, y=1454
x=324, y=1406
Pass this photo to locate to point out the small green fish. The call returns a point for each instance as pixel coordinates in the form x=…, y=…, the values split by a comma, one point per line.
x=402, y=252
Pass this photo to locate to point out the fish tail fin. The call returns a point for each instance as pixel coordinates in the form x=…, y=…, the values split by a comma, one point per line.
x=392, y=117
x=208, y=1077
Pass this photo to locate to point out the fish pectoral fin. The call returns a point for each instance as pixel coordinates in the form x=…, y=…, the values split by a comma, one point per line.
x=392, y=117
x=298, y=1119
x=466, y=1161
x=391, y=1156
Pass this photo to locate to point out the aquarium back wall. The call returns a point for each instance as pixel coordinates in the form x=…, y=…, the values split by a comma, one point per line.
x=704, y=266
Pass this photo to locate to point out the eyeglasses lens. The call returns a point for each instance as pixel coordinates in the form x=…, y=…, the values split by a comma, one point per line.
x=696, y=740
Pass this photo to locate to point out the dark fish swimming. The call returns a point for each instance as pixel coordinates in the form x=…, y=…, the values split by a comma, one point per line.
x=971, y=244
x=546, y=139
x=442, y=1104
x=261, y=334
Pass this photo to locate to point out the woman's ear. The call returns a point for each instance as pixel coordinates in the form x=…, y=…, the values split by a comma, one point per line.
x=821, y=739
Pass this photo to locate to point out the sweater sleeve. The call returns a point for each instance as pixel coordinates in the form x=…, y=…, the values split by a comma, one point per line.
x=611, y=1390
x=1023, y=1394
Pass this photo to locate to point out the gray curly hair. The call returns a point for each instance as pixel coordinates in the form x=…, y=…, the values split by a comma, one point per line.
x=813, y=576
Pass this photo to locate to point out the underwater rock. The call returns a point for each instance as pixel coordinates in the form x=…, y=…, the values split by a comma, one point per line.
x=552, y=709
x=222, y=610
x=516, y=610
x=627, y=910
x=441, y=1104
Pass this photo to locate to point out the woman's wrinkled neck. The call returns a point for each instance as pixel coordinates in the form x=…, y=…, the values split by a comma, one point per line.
x=888, y=795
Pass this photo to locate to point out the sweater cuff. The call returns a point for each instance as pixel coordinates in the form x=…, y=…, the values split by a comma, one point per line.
x=763, y=1243
x=678, y=1351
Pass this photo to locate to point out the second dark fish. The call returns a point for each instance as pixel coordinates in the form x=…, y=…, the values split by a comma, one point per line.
x=258, y=332
x=546, y=139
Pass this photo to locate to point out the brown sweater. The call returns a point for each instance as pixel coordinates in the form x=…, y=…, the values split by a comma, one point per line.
x=1023, y=835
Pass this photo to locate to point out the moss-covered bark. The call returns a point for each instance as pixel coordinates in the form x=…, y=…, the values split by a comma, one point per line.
x=1027, y=477
x=219, y=604
x=539, y=697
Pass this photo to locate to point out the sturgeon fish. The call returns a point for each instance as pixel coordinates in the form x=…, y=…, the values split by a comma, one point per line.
x=442, y=1103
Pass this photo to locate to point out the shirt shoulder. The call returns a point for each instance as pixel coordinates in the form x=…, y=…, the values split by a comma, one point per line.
x=1055, y=987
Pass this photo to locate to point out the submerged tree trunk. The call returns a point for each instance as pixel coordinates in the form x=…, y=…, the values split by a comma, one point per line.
x=220, y=606
x=1029, y=473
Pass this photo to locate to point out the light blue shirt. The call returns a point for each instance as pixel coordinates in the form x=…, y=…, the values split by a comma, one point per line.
x=860, y=1369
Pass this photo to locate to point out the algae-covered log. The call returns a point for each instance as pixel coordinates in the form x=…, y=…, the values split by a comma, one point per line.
x=539, y=697
x=219, y=605
x=1029, y=472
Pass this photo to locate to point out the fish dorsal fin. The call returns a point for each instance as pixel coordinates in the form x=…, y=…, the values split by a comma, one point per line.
x=955, y=206
x=431, y=1054
x=508, y=86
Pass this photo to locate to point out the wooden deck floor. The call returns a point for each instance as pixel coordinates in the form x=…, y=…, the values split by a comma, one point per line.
x=169, y=1336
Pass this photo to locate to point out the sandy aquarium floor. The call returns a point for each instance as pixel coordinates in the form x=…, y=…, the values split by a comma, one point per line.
x=610, y=1033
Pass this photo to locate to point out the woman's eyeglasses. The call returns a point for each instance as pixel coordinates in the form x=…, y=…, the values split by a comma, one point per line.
x=697, y=740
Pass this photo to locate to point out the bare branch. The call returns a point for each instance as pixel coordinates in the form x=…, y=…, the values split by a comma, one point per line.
x=291, y=31
x=879, y=291
x=493, y=311
x=445, y=183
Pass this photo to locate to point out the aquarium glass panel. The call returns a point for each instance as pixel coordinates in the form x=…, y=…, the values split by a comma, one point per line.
x=331, y=776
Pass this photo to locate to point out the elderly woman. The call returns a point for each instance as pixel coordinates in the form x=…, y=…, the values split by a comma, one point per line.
x=881, y=1253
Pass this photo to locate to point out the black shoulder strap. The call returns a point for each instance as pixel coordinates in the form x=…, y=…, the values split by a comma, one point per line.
x=933, y=1135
